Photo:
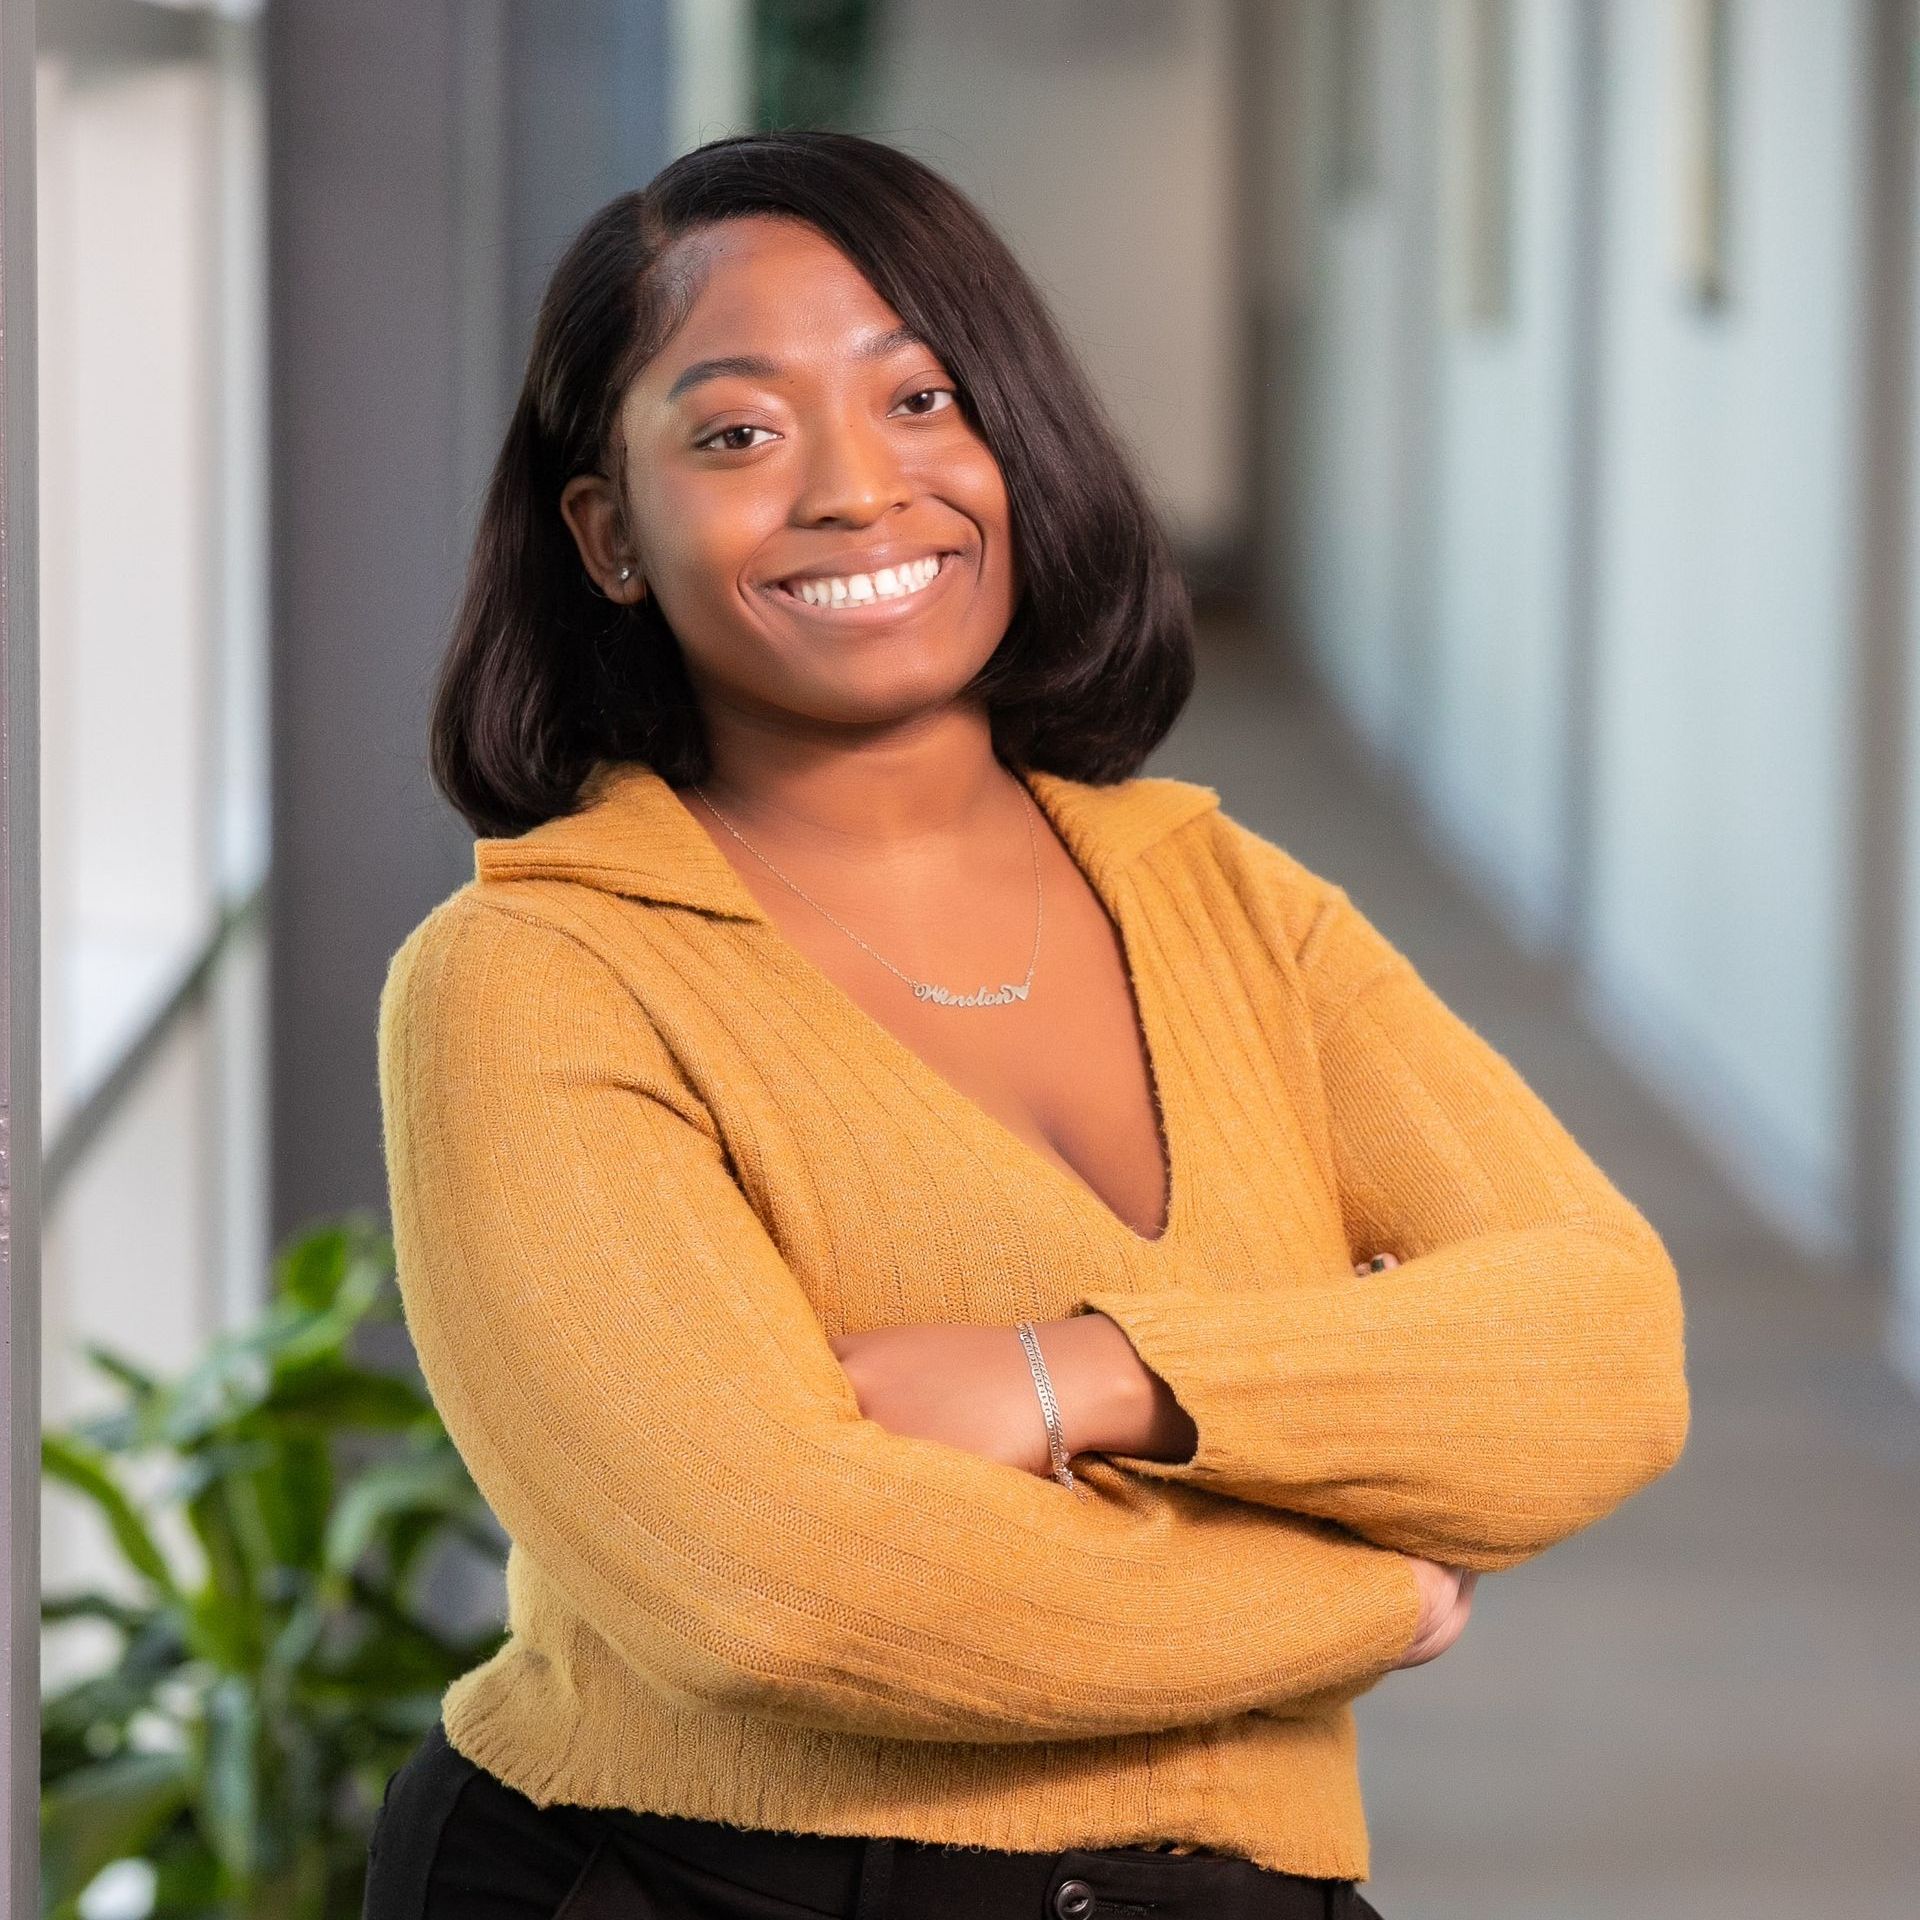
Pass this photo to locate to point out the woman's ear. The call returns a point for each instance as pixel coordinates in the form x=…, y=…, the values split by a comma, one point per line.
x=592, y=514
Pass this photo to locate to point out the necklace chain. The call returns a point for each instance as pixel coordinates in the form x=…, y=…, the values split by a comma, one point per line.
x=922, y=989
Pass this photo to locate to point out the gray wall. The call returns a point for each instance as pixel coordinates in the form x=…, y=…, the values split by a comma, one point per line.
x=427, y=162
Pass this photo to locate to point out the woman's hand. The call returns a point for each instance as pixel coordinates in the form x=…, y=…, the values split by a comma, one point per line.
x=970, y=1386
x=1446, y=1593
x=1446, y=1598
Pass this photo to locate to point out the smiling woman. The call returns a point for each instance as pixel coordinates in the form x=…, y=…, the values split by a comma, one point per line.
x=966, y=1438
x=704, y=328
x=790, y=475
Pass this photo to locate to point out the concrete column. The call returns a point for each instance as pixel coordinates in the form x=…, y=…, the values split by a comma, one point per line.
x=20, y=988
x=427, y=163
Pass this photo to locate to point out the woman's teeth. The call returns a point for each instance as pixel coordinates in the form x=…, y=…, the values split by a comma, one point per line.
x=858, y=589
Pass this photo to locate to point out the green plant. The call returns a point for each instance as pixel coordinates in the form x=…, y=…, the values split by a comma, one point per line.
x=812, y=61
x=240, y=1740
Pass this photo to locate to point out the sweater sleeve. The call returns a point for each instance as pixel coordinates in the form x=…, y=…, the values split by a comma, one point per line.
x=644, y=1396
x=1516, y=1377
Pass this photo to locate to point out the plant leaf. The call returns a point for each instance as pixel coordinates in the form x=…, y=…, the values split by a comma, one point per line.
x=229, y=1805
x=105, y=1812
x=135, y=1378
x=339, y=1396
x=434, y=1482
x=77, y=1466
x=294, y=1492
x=89, y=1604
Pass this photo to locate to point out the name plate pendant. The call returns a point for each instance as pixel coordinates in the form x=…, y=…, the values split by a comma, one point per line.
x=986, y=997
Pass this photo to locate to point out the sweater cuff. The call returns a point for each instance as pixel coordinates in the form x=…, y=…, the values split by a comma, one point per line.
x=1225, y=1386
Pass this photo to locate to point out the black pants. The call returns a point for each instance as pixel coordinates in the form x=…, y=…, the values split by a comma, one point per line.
x=454, y=1843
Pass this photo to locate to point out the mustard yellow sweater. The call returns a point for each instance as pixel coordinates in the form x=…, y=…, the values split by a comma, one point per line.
x=645, y=1158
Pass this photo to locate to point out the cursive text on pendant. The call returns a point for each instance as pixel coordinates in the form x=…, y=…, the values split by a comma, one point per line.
x=986, y=997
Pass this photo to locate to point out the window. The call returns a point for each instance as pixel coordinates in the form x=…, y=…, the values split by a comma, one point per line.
x=154, y=808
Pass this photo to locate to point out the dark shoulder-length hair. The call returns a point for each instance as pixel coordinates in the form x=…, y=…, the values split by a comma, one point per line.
x=544, y=675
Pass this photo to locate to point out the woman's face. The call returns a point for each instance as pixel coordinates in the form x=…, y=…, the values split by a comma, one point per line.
x=823, y=529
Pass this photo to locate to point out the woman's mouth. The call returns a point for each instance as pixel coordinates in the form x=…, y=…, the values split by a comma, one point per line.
x=895, y=583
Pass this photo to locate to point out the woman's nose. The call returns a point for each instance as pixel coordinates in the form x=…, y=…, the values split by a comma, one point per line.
x=851, y=478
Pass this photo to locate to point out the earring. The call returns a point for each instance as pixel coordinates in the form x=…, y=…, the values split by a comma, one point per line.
x=626, y=574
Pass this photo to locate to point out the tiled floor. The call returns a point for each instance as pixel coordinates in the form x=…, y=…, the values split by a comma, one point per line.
x=1709, y=1704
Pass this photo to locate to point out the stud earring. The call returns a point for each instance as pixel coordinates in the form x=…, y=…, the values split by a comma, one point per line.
x=626, y=574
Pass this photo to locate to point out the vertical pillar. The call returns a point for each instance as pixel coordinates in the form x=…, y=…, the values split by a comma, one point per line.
x=427, y=163
x=20, y=991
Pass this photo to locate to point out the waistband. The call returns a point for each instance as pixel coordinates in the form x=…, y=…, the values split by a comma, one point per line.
x=880, y=1877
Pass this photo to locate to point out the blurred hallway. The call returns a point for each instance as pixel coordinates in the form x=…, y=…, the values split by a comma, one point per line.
x=1547, y=370
x=1708, y=1703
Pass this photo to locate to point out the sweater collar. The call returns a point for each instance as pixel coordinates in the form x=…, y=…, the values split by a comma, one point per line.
x=633, y=834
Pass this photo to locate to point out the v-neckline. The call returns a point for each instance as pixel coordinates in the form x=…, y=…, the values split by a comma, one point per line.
x=913, y=1066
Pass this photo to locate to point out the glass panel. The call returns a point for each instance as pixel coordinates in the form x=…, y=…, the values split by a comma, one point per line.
x=154, y=727
x=126, y=1261
x=128, y=556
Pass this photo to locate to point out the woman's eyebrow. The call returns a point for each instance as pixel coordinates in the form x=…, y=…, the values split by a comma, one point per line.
x=753, y=366
x=750, y=366
x=891, y=342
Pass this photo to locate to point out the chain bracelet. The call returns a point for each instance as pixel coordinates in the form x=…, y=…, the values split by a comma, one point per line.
x=1049, y=1406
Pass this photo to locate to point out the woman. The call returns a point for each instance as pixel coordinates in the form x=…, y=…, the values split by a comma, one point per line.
x=990, y=1301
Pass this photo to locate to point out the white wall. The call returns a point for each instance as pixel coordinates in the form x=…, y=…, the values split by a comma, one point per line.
x=1722, y=906
x=1704, y=738
x=1097, y=135
x=1366, y=364
x=1493, y=761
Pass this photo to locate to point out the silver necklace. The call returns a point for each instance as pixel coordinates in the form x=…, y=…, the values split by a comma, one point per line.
x=922, y=989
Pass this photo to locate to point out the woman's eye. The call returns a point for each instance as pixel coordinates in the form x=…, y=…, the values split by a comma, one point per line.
x=732, y=439
x=928, y=400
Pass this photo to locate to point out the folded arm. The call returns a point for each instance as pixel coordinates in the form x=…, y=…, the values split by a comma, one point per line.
x=642, y=1392
x=1516, y=1376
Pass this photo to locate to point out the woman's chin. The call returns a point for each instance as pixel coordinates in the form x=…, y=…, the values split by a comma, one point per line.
x=886, y=693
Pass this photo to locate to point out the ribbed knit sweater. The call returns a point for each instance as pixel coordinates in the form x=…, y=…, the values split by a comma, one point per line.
x=646, y=1159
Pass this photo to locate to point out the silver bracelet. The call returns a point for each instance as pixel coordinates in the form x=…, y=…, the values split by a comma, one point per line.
x=1049, y=1407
